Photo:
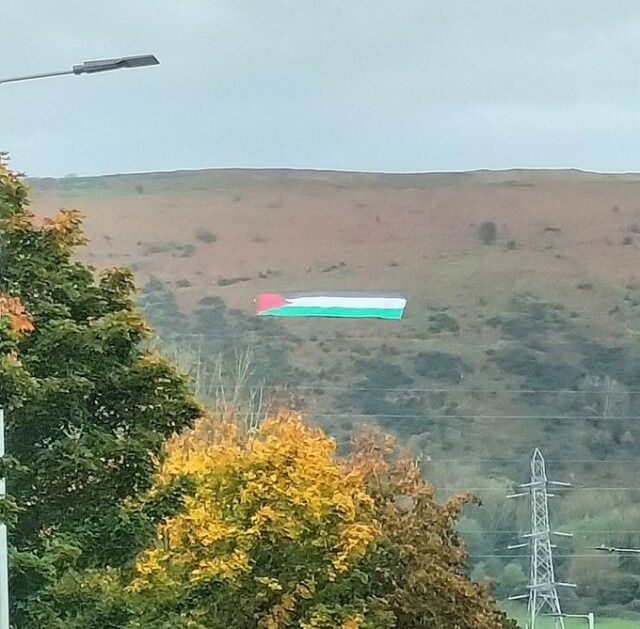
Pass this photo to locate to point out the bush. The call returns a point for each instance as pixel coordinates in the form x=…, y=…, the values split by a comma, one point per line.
x=538, y=371
x=181, y=251
x=513, y=578
x=151, y=248
x=440, y=366
x=488, y=232
x=601, y=443
x=230, y=281
x=205, y=235
x=185, y=251
x=382, y=375
x=442, y=322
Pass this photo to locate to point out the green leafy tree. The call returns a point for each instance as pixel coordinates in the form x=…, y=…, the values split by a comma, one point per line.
x=88, y=408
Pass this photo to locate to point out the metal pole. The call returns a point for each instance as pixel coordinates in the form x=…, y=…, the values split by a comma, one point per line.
x=36, y=76
x=4, y=551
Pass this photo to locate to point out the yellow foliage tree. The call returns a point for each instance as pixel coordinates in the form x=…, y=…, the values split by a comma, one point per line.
x=278, y=532
x=273, y=534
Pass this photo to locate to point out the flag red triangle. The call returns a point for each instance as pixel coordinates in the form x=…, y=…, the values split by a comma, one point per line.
x=270, y=301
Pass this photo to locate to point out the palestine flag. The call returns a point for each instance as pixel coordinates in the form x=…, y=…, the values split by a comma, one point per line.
x=332, y=304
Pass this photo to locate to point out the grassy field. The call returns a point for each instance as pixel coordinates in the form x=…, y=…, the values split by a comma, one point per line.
x=575, y=623
x=580, y=623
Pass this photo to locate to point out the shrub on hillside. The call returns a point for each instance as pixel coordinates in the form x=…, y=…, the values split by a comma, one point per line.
x=440, y=366
x=539, y=372
x=205, y=235
x=442, y=322
x=488, y=233
x=152, y=248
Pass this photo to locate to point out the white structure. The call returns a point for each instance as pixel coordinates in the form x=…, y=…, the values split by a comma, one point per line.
x=543, y=594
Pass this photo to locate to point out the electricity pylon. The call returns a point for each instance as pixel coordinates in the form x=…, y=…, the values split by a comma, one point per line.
x=543, y=594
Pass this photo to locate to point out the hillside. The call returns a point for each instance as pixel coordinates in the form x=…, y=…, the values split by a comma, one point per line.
x=530, y=340
x=389, y=230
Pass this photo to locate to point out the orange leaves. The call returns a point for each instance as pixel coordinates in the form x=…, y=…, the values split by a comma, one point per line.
x=67, y=224
x=13, y=308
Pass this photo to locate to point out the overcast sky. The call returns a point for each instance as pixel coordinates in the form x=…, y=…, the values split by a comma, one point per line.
x=399, y=85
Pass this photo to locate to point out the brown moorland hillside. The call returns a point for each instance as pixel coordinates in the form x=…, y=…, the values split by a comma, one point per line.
x=530, y=340
x=415, y=233
x=565, y=237
x=568, y=238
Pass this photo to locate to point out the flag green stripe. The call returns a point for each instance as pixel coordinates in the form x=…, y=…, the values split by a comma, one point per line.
x=307, y=311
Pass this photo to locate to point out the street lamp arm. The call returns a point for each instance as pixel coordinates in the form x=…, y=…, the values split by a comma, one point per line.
x=29, y=77
x=93, y=67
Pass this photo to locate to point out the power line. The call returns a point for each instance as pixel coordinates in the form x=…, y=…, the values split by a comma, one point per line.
x=526, y=557
x=319, y=337
x=502, y=489
x=580, y=534
x=496, y=390
x=432, y=459
x=485, y=417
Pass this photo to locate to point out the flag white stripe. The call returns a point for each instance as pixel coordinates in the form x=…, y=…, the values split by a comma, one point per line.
x=390, y=303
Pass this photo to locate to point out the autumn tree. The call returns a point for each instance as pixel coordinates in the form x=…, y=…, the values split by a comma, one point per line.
x=272, y=530
x=88, y=408
x=420, y=563
x=274, y=534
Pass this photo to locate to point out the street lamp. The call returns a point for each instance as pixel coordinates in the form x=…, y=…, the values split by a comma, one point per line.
x=88, y=67
x=93, y=67
x=589, y=617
